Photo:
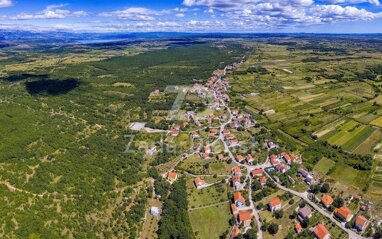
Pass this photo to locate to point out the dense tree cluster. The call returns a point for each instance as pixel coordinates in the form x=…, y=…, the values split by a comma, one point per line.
x=314, y=152
x=175, y=222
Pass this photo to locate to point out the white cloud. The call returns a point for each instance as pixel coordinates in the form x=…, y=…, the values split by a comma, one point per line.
x=134, y=14
x=285, y=13
x=374, y=2
x=210, y=15
x=334, y=13
x=50, y=12
x=5, y=3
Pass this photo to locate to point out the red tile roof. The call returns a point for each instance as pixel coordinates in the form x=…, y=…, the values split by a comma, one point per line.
x=360, y=221
x=171, y=175
x=238, y=197
x=198, y=181
x=274, y=202
x=298, y=227
x=320, y=231
x=236, y=170
x=287, y=157
x=262, y=179
x=257, y=171
x=233, y=208
x=342, y=212
x=327, y=199
x=235, y=232
x=239, y=158
x=245, y=216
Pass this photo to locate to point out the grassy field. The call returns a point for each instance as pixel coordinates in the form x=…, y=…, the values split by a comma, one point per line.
x=351, y=177
x=286, y=225
x=210, y=222
x=203, y=197
x=321, y=97
x=324, y=165
x=349, y=135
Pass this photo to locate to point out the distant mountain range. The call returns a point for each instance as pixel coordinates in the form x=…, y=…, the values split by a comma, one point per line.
x=68, y=37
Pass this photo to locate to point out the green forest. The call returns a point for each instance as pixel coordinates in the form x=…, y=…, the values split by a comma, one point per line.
x=62, y=133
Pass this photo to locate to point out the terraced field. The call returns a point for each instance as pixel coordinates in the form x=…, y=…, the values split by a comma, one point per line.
x=349, y=135
x=320, y=98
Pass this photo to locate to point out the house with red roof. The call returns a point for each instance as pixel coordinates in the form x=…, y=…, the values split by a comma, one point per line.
x=257, y=172
x=194, y=135
x=327, y=200
x=234, y=143
x=274, y=160
x=173, y=133
x=199, y=183
x=238, y=199
x=236, y=182
x=176, y=127
x=250, y=159
x=239, y=158
x=281, y=168
x=172, y=176
x=263, y=180
x=225, y=132
x=234, y=209
x=321, y=232
x=236, y=171
x=361, y=223
x=207, y=149
x=230, y=136
x=274, y=204
x=185, y=123
x=245, y=217
x=220, y=157
x=235, y=232
x=288, y=159
x=343, y=213
x=211, y=135
x=204, y=155
x=298, y=228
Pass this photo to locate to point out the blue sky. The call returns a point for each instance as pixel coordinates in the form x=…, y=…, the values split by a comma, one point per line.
x=332, y=16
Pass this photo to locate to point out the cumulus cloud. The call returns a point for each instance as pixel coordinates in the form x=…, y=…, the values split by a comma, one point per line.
x=212, y=15
x=374, y=2
x=279, y=13
x=334, y=13
x=134, y=14
x=50, y=12
x=5, y=3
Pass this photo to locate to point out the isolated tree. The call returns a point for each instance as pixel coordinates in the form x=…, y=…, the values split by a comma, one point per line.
x=278, y=214
x=325, y=188
x=256, y=185
x=250, y=234
x=338, y=202
x=273, y=228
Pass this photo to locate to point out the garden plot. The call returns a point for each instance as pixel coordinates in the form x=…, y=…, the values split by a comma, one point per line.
x=349, y=135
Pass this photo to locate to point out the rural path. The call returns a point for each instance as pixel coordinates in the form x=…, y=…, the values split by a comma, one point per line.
x=266, y=164
x=304, y=196
x=210, y=205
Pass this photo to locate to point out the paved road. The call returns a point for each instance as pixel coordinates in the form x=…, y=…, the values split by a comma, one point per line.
x=303, y=196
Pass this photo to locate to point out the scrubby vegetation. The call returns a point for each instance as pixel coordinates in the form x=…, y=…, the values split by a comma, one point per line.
x=63, y=121
x=175, y=222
